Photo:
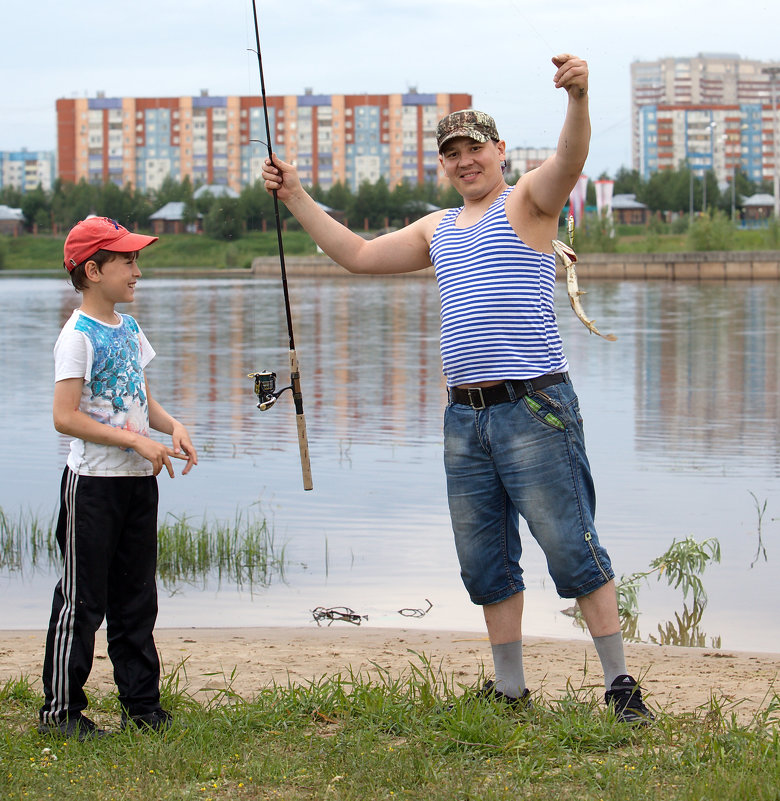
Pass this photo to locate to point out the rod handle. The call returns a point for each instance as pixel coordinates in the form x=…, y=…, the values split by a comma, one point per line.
x=300, y=421
x=303, y=447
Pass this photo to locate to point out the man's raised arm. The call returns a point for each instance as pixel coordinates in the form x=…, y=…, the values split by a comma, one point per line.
x=551, y=184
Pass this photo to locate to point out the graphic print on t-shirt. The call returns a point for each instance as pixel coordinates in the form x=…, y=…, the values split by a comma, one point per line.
x=115, y=390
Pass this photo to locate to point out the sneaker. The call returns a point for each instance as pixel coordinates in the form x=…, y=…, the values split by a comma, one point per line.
x=625, y=700
x=80, y=726
x=489, y=692
x=158, y=721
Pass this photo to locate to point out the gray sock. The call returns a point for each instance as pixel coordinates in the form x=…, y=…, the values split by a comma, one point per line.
x=613, y=660
x=508, y=664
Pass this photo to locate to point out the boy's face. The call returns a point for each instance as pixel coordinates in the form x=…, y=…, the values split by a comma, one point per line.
x=115, y=281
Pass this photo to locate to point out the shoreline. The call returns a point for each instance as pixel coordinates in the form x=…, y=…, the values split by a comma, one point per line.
x=247, y=660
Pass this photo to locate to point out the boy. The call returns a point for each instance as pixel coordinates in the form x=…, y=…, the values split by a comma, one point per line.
x=107, y=526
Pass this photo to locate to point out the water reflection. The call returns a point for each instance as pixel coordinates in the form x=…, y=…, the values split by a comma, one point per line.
x=681, y=415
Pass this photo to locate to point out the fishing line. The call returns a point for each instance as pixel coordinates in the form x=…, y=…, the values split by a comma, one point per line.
x=265, y=381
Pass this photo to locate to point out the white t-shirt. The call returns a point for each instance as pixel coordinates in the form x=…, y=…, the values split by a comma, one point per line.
x=111, y=360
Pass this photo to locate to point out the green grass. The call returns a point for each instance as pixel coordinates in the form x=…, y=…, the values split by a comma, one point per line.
x=197, y=251
x=414, y=737
x=44, y=252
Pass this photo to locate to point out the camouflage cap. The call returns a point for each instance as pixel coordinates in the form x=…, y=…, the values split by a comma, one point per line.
x=471, y=123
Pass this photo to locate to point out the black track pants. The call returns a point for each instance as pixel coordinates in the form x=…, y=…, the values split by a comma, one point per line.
x=107, y=534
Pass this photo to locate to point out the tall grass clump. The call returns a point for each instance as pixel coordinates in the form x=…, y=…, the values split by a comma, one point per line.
x=242, y=551
x=25, y=541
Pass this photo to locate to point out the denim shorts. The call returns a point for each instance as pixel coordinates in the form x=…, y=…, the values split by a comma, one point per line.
x=524, y=458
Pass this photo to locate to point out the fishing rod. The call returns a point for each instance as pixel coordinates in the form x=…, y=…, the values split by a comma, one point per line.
x=265, y=381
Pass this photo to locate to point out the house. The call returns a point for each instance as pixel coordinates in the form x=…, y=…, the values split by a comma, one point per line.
x=627, y=210
x=758, y=207
x=11, y=221
x=170, y=219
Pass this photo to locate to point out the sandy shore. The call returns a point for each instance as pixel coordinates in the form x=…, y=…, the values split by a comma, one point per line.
x=674, y=679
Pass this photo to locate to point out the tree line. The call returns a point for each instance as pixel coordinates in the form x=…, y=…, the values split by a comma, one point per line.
x=373, y=206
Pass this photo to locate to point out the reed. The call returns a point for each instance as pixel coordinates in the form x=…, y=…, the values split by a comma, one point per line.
x=242, y=552
x=26, y=541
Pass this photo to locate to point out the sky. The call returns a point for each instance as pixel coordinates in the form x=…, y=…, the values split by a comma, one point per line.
x=498, y=51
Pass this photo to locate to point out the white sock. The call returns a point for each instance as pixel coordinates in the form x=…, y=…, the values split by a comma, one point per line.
x=613, y=660
x=508, y=664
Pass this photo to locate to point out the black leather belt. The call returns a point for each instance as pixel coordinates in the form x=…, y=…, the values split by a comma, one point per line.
x=482, y=397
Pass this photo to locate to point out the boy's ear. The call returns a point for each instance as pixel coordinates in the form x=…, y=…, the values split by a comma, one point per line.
x=92, y=270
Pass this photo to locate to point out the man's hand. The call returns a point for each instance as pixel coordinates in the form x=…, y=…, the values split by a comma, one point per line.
x=281, y=177
x=572, y=75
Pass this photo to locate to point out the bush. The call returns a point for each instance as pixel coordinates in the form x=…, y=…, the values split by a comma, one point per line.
x=3, y=253
x=711, y=231
x=596, y=236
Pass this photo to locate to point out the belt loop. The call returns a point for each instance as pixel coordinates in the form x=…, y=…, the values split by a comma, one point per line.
x=510, y=390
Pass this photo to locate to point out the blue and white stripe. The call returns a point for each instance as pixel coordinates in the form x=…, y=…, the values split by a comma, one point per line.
x=497, y=301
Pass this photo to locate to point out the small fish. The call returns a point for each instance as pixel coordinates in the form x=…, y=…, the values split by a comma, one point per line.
x=569, y=257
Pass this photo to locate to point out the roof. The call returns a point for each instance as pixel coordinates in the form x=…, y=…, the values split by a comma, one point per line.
x=626, y=202
x=7, y=213
x=215, y=190
x=170, y=211
x=761, y=199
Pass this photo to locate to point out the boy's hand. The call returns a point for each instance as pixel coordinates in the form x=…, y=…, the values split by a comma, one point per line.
x=183, y=447
x=157, y=453
x=160, y=455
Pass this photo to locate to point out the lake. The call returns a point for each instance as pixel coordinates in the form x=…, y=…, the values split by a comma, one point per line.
x=682, y=420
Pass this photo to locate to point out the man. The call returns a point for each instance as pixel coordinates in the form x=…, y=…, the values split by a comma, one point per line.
x=513, y=439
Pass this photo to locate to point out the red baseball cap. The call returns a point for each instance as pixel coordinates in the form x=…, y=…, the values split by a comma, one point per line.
x=89, y=236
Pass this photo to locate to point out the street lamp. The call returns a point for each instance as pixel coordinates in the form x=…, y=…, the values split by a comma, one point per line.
x=773, y=72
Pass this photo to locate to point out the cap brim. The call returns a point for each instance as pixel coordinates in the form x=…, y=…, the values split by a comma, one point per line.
x=463, y=133
x=131, y=242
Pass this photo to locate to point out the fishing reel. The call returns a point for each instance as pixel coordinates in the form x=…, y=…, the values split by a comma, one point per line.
x=265, y=389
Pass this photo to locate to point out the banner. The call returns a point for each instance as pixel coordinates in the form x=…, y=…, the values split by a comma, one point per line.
x=604, y=203
x=577, y=199
x=604, y=197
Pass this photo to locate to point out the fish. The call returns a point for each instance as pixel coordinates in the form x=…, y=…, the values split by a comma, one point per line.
x=568, y=258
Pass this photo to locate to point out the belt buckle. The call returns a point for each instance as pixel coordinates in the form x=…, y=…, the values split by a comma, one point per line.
x=479, y=395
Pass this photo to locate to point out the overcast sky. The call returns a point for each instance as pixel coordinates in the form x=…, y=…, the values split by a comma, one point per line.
x=498, y=51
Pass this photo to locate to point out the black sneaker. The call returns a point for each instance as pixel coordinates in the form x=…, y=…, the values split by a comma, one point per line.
x=490, y=693
x=158, y=721
x=625, y=700
x=80, y=726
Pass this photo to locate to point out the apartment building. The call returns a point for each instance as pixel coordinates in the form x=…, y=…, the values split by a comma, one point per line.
x=521, y=160
x=25, y=170
x=222, y=140
x=712, y=112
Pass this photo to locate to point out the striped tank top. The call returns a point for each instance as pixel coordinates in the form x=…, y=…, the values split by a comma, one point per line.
x=497, y=301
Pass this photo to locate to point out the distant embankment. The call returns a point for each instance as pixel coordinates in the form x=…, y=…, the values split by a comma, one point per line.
x=750, y=265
